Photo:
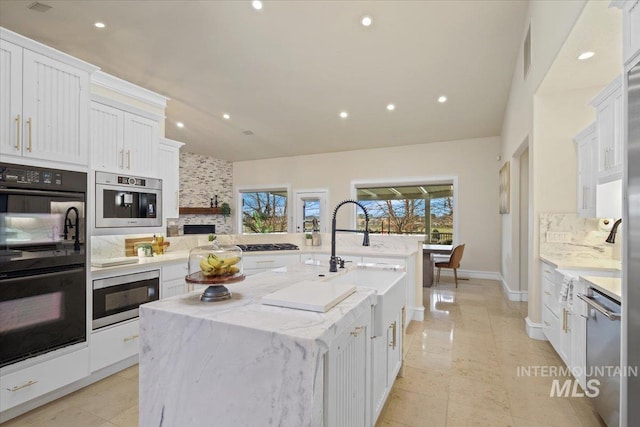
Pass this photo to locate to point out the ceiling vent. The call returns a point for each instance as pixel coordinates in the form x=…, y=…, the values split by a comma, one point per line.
x=39, y=7
x=247, y=132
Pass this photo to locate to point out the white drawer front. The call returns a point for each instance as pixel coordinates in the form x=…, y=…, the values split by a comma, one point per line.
x=111, y=345
x=174, y=271
x=29, y=383
x=268, y=262
x=173, y=288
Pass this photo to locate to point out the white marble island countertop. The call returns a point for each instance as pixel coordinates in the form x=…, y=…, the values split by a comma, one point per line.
x=610, y=286
x=238, y=362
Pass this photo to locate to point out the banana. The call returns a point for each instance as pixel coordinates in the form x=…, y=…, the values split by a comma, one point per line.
x=231, y=261
x=216, y=262
x=205, y=266
x=233, y=269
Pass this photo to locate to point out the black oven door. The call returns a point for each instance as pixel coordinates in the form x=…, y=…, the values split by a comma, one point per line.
x=41, y=310
x=116, y=299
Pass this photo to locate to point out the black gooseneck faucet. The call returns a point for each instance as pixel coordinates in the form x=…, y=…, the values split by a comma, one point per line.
x=612, y=234
x=68, y=225
x=333, y=261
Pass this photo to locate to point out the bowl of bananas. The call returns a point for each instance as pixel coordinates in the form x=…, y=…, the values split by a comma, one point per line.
x=215, y=265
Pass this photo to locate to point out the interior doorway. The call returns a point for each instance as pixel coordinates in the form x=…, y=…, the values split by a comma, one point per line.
x=310, y=211
x=523, y=218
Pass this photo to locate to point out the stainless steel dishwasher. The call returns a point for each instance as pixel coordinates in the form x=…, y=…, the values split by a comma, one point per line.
x=603, y=353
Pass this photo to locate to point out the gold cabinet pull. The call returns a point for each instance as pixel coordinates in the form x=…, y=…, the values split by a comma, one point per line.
x=131, y=338
x=547, y=293
x=121, y=159
x=356, y=331
x=18, y=132
x=393, y=327
x=128, y=159
x=20, y=387
x=29, y=126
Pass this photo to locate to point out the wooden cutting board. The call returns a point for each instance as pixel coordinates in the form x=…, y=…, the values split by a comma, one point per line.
x=130, y=245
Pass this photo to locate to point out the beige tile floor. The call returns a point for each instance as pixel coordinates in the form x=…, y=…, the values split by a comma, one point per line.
x=460, y=370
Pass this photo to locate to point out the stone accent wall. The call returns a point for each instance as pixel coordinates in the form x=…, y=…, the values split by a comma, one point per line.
x=201, y=178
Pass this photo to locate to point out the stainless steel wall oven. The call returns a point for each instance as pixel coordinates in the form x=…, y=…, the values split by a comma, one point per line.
x=42, y=261
x=116, y=299
x=127, y=201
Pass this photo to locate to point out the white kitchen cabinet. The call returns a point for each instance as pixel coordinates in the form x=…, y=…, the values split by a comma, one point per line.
x=122, y=141
x=173, y=280
x=22, y=385
x=169, y=167
x=386, y=362
x=609, y=131
x=44, y=105
x=115, y=343
x=630, y=29
x=587, y=149
x=347, y=376
x=254, y=264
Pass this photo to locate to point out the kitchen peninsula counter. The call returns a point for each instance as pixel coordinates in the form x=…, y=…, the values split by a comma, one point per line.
x=238, y=362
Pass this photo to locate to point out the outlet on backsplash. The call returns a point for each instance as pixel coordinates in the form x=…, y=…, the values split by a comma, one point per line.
x=558, y=237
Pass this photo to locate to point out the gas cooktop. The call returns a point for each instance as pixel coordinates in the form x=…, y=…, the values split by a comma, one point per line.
x=268, y=247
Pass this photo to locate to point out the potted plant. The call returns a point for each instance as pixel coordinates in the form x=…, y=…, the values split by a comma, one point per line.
x=308, y=239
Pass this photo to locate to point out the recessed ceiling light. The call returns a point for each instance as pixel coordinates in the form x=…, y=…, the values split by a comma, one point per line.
x=226, y=116
x=391, y=107
x=366, y=20
x=256, y=4
x=586, y=55
x=344, y=114
x=99, y=24
x=180, y=124
x=442, y=99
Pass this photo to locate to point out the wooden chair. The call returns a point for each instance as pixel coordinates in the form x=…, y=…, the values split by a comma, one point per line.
x=454, y=263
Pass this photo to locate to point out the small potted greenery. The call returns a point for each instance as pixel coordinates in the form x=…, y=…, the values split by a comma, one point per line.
x=308, y=239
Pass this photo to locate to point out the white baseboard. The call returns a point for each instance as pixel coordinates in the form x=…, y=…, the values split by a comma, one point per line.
x=471, y=274
x=414, y=313
x=513, y=295
x=535, y=330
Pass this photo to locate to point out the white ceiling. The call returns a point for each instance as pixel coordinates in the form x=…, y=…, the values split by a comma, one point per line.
x=285, y=72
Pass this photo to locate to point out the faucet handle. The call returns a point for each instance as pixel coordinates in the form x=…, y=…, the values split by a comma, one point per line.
x=342, y=261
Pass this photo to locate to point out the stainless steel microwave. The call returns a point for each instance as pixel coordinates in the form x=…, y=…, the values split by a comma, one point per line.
x=127, y=201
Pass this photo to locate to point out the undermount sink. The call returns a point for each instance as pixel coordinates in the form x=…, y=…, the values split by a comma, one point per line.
x=390, y=288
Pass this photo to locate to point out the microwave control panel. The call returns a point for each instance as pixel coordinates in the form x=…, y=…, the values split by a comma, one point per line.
x=13, y=175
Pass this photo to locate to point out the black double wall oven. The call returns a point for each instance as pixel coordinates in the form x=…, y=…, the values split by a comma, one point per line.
x=43, y=290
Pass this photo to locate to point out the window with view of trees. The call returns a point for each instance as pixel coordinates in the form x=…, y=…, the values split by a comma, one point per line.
x=416, y=209
x=264, y=211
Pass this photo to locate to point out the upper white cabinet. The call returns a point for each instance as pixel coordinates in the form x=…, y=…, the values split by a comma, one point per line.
x=609, y=131
x=587, y=148
x=630, y=29
x=122, y=141
x=44, y=104
x=125, y=137
x=169, y=164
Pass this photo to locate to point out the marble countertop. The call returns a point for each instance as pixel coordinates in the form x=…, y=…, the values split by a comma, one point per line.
x=610, y=286
x=239, y=362
x=576, y=263
x=182, y=255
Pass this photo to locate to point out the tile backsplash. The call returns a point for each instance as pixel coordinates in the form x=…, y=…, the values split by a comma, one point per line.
x=201, y=179
x=567, y=235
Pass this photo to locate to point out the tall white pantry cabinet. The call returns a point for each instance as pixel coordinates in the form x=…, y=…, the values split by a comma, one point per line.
x=43, y=104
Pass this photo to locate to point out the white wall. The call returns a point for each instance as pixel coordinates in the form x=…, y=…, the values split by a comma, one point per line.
x=551, y=23
x=473, y=161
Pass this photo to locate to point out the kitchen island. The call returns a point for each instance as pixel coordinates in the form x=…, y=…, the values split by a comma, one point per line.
x=238, y=362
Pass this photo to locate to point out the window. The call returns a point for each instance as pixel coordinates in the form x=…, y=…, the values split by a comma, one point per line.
x=264, y=211
x=417, y=209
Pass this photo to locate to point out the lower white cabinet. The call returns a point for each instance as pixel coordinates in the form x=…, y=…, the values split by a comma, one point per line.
x=254, y=264
x=347, y=376
x=173, y=283
x=113, y=344
x=386, y=360
x=34, y=381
